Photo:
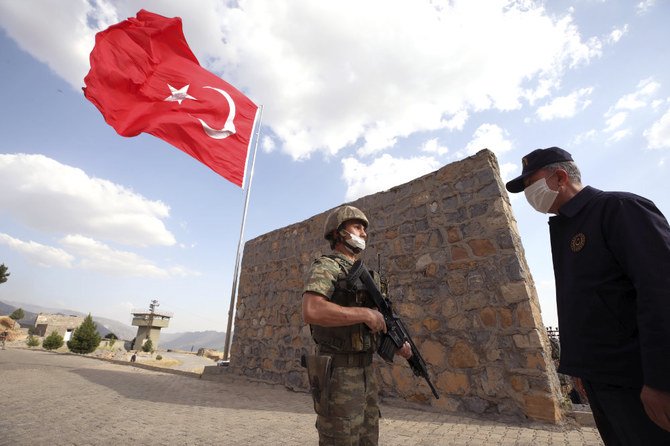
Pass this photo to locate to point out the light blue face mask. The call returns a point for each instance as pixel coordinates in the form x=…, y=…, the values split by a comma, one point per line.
x=540, y=196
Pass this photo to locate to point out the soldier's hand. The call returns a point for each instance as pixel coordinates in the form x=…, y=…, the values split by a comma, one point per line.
x=376, y=321
x=405, y=351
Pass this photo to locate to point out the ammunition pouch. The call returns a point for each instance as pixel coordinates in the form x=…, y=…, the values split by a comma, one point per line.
x=319, y=368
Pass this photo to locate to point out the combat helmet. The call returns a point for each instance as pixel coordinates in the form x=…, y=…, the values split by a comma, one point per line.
x=339, y=216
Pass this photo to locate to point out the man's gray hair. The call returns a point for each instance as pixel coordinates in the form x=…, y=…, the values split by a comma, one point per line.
x=570, y=167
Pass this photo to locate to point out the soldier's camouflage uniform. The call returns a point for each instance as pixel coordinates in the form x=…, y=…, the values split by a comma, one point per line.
x=352, y=414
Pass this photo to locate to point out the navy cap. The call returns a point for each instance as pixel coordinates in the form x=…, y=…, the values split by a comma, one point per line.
x=533, y=162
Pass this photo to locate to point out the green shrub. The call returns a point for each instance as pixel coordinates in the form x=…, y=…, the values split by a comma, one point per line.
x=148, y=346
x=158, y=357
x=53, y=341
x=32, y=341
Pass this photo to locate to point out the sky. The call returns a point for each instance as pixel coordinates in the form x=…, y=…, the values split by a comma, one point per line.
x=358, y=97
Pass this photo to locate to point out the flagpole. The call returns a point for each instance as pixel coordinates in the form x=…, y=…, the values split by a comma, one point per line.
x=238, y=260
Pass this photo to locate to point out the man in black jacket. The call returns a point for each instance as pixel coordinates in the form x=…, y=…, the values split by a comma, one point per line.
x=611, y=256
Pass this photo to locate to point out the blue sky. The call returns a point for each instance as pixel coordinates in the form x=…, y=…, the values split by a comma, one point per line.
x=358, y=97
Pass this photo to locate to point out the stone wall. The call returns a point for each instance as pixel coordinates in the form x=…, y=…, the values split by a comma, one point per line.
x=457, y=276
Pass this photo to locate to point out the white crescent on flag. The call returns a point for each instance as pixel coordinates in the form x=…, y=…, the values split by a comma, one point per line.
x=229, y=127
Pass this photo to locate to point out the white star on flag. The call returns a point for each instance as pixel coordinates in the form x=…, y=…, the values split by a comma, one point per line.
x=179, y=95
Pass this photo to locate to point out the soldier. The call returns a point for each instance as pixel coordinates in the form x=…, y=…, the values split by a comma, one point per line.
x=346, y=328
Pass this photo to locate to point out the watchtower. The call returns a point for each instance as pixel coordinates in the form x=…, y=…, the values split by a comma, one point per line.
x=149, y=324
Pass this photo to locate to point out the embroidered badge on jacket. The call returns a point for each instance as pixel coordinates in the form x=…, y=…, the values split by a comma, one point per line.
x=578, y=242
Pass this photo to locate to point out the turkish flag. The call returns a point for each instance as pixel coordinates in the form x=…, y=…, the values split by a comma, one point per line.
x=144, y=78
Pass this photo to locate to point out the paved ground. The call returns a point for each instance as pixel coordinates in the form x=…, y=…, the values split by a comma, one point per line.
x=54, y=399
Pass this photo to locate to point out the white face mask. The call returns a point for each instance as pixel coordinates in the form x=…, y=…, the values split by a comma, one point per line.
x=540, y=196
x=355, y=241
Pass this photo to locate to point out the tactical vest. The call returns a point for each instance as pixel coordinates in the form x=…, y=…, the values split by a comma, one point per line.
x=352, y=338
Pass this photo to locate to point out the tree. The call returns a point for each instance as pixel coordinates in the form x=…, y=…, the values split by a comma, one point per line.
x=3, y=273
x=53, y=341
x=148, y=346
x=32, y=341
x=85, y=338
x=18, y=314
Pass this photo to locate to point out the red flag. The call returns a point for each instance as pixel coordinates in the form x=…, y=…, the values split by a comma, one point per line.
x=144, y=78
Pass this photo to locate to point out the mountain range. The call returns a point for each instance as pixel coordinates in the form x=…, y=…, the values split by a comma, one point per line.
x=188, y=341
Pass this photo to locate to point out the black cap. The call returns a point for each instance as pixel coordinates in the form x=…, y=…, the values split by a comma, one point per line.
x=533, y=162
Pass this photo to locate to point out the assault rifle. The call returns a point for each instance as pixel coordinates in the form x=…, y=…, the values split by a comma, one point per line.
x=396, y=334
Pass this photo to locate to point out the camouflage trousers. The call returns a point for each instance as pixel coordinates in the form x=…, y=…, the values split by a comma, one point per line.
x=353, y=409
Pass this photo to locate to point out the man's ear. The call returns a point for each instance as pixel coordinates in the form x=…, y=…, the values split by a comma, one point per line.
x=563, y=177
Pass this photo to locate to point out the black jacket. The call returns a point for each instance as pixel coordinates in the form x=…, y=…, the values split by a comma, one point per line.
x=611, y=253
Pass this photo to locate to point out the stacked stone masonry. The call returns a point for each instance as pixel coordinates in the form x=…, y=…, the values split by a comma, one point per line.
x=450, y=249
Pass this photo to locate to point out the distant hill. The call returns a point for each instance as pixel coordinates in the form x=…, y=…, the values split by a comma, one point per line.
x=104, y=325
x=176, y=341
x=28, y=319
x=193, y=340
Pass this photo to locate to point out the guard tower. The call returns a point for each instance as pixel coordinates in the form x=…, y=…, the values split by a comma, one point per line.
x=149, y=324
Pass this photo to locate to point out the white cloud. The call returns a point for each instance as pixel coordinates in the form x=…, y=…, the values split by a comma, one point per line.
x=488, y=136
x=96, y=256
x=37, y=253
x=268, y=144
x=658, y=136
x=60, y=34
x=456, y=122
x=644, y=6
x=84, y=253
x=508, y=171
x=646, y=88
x=180, y=271
x=350, y=62
x=657, y=103
x=383, y=173
x=55, y=197
x=619, y=135
x=589, y=135
x=617, y=115
x=615, y=121
x=566, y=106
x=617, y=34
x=433, y=146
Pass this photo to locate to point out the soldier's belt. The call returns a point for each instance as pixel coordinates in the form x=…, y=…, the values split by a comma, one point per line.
x=351, y=359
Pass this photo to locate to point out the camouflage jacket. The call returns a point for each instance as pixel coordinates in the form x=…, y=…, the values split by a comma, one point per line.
x=327, y=277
